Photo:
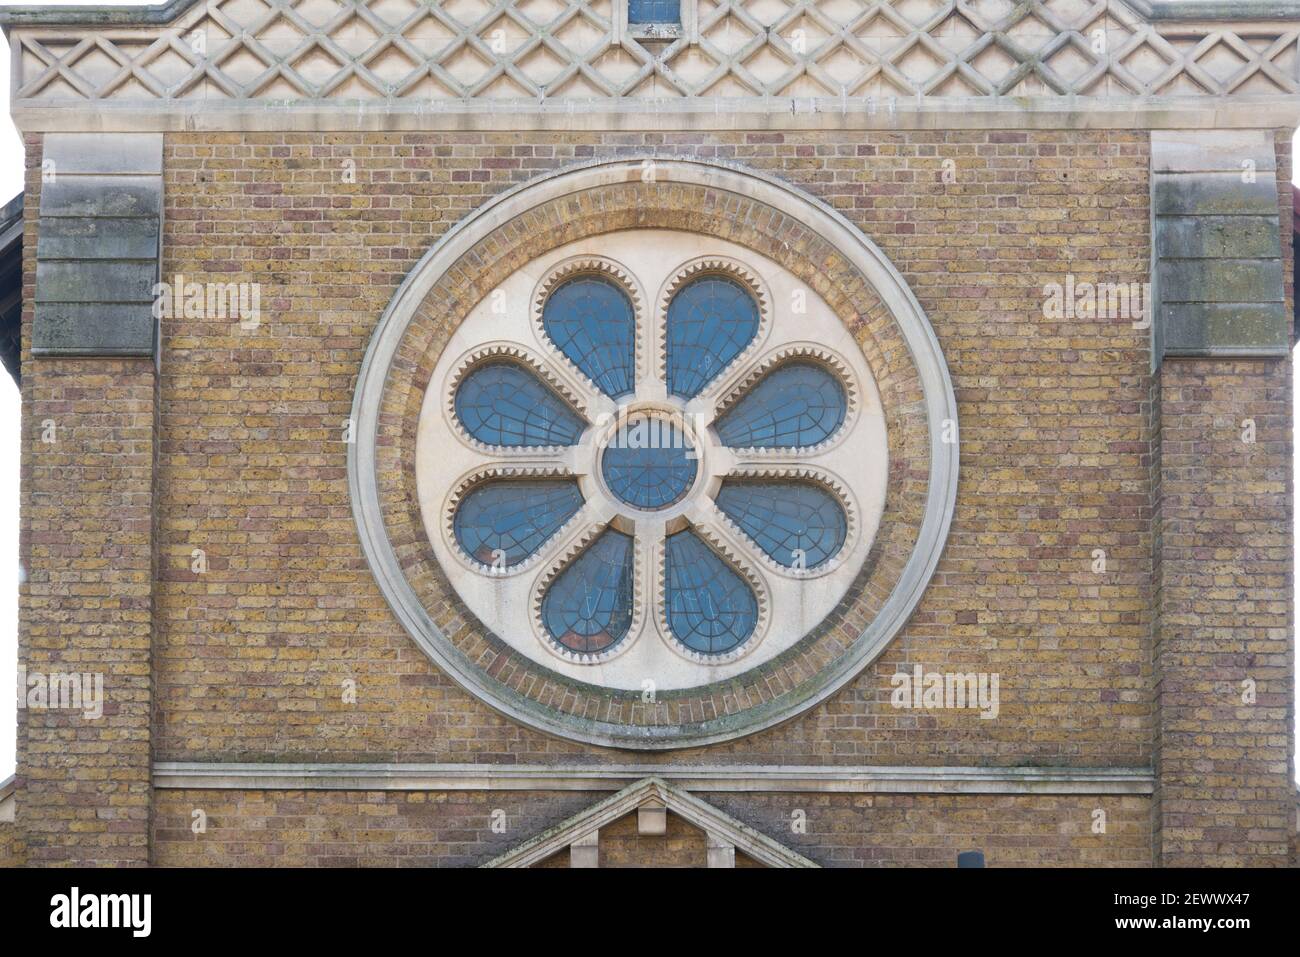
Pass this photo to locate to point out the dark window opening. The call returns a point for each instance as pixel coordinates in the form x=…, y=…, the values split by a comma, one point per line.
x=654, y=11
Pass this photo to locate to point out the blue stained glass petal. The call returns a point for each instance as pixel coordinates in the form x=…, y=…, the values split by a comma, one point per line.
x=501, y=403
x=710, y=608
x=799, y=525
x=650, y=463
x=710, y=321
x=588, y=607
x=591, y=321
x=797, y=405
x=502, y=523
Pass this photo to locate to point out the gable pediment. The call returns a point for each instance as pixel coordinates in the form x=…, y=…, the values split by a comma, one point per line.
x=653, y=801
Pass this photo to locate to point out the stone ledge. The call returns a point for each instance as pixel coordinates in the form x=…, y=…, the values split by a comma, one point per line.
x=679, y=115
x=519, y=777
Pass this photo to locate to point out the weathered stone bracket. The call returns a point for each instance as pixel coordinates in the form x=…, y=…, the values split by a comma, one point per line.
x=98, y=245
x=1216, y=257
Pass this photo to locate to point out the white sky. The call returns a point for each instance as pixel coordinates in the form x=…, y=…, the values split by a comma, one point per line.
x=11, y=183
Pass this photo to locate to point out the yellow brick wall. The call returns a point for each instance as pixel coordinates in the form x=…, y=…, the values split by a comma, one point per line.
x=251, y=655
x=378, y=828
x=1058, y=431
x=12, y=851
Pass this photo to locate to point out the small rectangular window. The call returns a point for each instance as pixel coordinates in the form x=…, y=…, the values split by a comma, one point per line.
x=654, y=11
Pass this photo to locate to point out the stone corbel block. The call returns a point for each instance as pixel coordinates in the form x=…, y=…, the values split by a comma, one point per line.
x=585, y=851
x=98, y=245
x=721, y=852
x=652, y=819
x=1217, y=273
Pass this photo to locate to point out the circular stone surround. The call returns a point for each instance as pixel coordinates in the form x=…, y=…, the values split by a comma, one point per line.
x=759, y=217
x=852, y=464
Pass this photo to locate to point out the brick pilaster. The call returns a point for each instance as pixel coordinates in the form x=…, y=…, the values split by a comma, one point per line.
x=86, y=605
x=86, y=608
x=1224, y=673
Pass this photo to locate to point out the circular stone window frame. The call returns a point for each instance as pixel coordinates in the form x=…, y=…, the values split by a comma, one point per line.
x=939, y=401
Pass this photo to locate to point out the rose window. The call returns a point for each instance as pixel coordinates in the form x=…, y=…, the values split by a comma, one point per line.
x=651, y=461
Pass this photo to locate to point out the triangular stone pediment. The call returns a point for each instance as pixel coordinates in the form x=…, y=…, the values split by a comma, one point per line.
x=655, y=803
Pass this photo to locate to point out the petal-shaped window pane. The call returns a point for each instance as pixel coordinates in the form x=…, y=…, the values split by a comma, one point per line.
x=797, y=405
x=502, y=523
x=799, y=525
x=710, y=608
x=501, y=403
x=591, y=321
x=588, y=607
x=710, y=321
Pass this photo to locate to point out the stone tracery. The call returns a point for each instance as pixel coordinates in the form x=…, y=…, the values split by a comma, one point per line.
x=664, y=492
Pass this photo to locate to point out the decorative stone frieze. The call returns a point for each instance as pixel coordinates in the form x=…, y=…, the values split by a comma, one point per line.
x=260, y=62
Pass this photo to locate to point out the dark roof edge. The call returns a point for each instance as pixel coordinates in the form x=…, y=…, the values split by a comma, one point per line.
x=1155, y=10
x=11, y=212
x=93, y=15
x=1164, y=10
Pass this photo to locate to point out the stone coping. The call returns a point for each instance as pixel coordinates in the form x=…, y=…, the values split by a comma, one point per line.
x=105, y=14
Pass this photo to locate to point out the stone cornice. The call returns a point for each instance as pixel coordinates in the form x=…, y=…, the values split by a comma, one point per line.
x=1216, y=9
x=163, y=13
x=1078, y=113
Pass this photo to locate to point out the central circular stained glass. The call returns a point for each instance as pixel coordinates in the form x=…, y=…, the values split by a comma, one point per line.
x=649, y=463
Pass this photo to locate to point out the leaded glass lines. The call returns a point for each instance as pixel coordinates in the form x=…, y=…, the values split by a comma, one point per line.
x=502, y=523
x=649, y=464
x=591, y=320
x=710, y=321
x=796, y=405
x=709, y=608
x=501, y=403
x=588, y=608
x=797, y=524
